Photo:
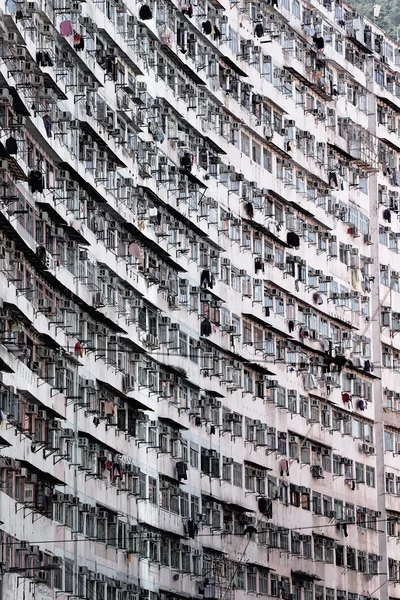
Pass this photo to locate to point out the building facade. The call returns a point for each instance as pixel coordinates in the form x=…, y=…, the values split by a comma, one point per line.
x=199, y=301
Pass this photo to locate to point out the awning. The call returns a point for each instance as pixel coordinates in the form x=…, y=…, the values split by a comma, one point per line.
x=266, y=231
x=59, y=221
x=116, y=392
x=161, y=253
x=340, y=150
x=260, y=368
x=267, y=325
x=50, y=83
x=95, y=440
x=237, y=507
x=43, y=475
x=18, y=103
x=32, y=398
x=395, y=147
x=101, y=143
x=16, y=311
x=304, y=575
x=14, y=168
x=389, y=103
x=172, y=423
x=255, y=465
x=4, y=443
x=192, y=178
x=4, y=367
x=213, y=145
x=182, y=65
x=75, y=234
x=232, y=65
x=233, y=355
x=213, y=393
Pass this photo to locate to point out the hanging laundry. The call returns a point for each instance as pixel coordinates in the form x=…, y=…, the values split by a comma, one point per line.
x=180, y=40
x=333, y=180
x=355, y=276
x=181, y=470
x=78, y=350
x=187, y=8
x=19, y=15
x=145, y=13
x=259, y=30
x=192, y=528
x=346, y=398
x=284, y=467
x=292, y=239
x=207, y=279
x=207, y=27
x=110, y=66
x=310, y=383
x=66, y=28
x=265, y=507
x=217, y=33
x=361, y=404
x=258, y=265
x=36, y=181
x=47, y=125
x=320, y=44
x=268, y=132
x=387, y=215
x=187, y=161
x=368, y=366
x=11, y=145
x=249, y=208
x=79, y=42
x=318, y=299
x=205, y=327
x=109, y=408
x=291, y=326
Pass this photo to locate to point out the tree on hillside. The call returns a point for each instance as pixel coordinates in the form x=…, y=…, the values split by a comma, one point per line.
x=389, y=18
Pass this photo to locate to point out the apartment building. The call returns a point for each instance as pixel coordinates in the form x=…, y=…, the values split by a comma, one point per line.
x=199, y=301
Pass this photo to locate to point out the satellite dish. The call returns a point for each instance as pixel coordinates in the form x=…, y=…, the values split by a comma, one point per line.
x=377, y=10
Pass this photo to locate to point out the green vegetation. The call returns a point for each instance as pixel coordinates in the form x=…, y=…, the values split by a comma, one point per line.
x=389, y=18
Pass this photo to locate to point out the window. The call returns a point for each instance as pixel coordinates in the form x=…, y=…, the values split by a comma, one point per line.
x=153, y=497
x=317, y=503
x=327, y=506
x=256, y=153
x=370, y=476
x=267, y=160
x=252, y=579
x=245, y=144
x=194, y=455
x=237, y=475
x=388, y=441
x=263, y=582
x=296, y=9
x=359, y=472
x=194, y=506
x=389, y=483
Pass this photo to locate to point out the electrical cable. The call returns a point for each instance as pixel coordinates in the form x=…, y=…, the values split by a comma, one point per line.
x=148, y=536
